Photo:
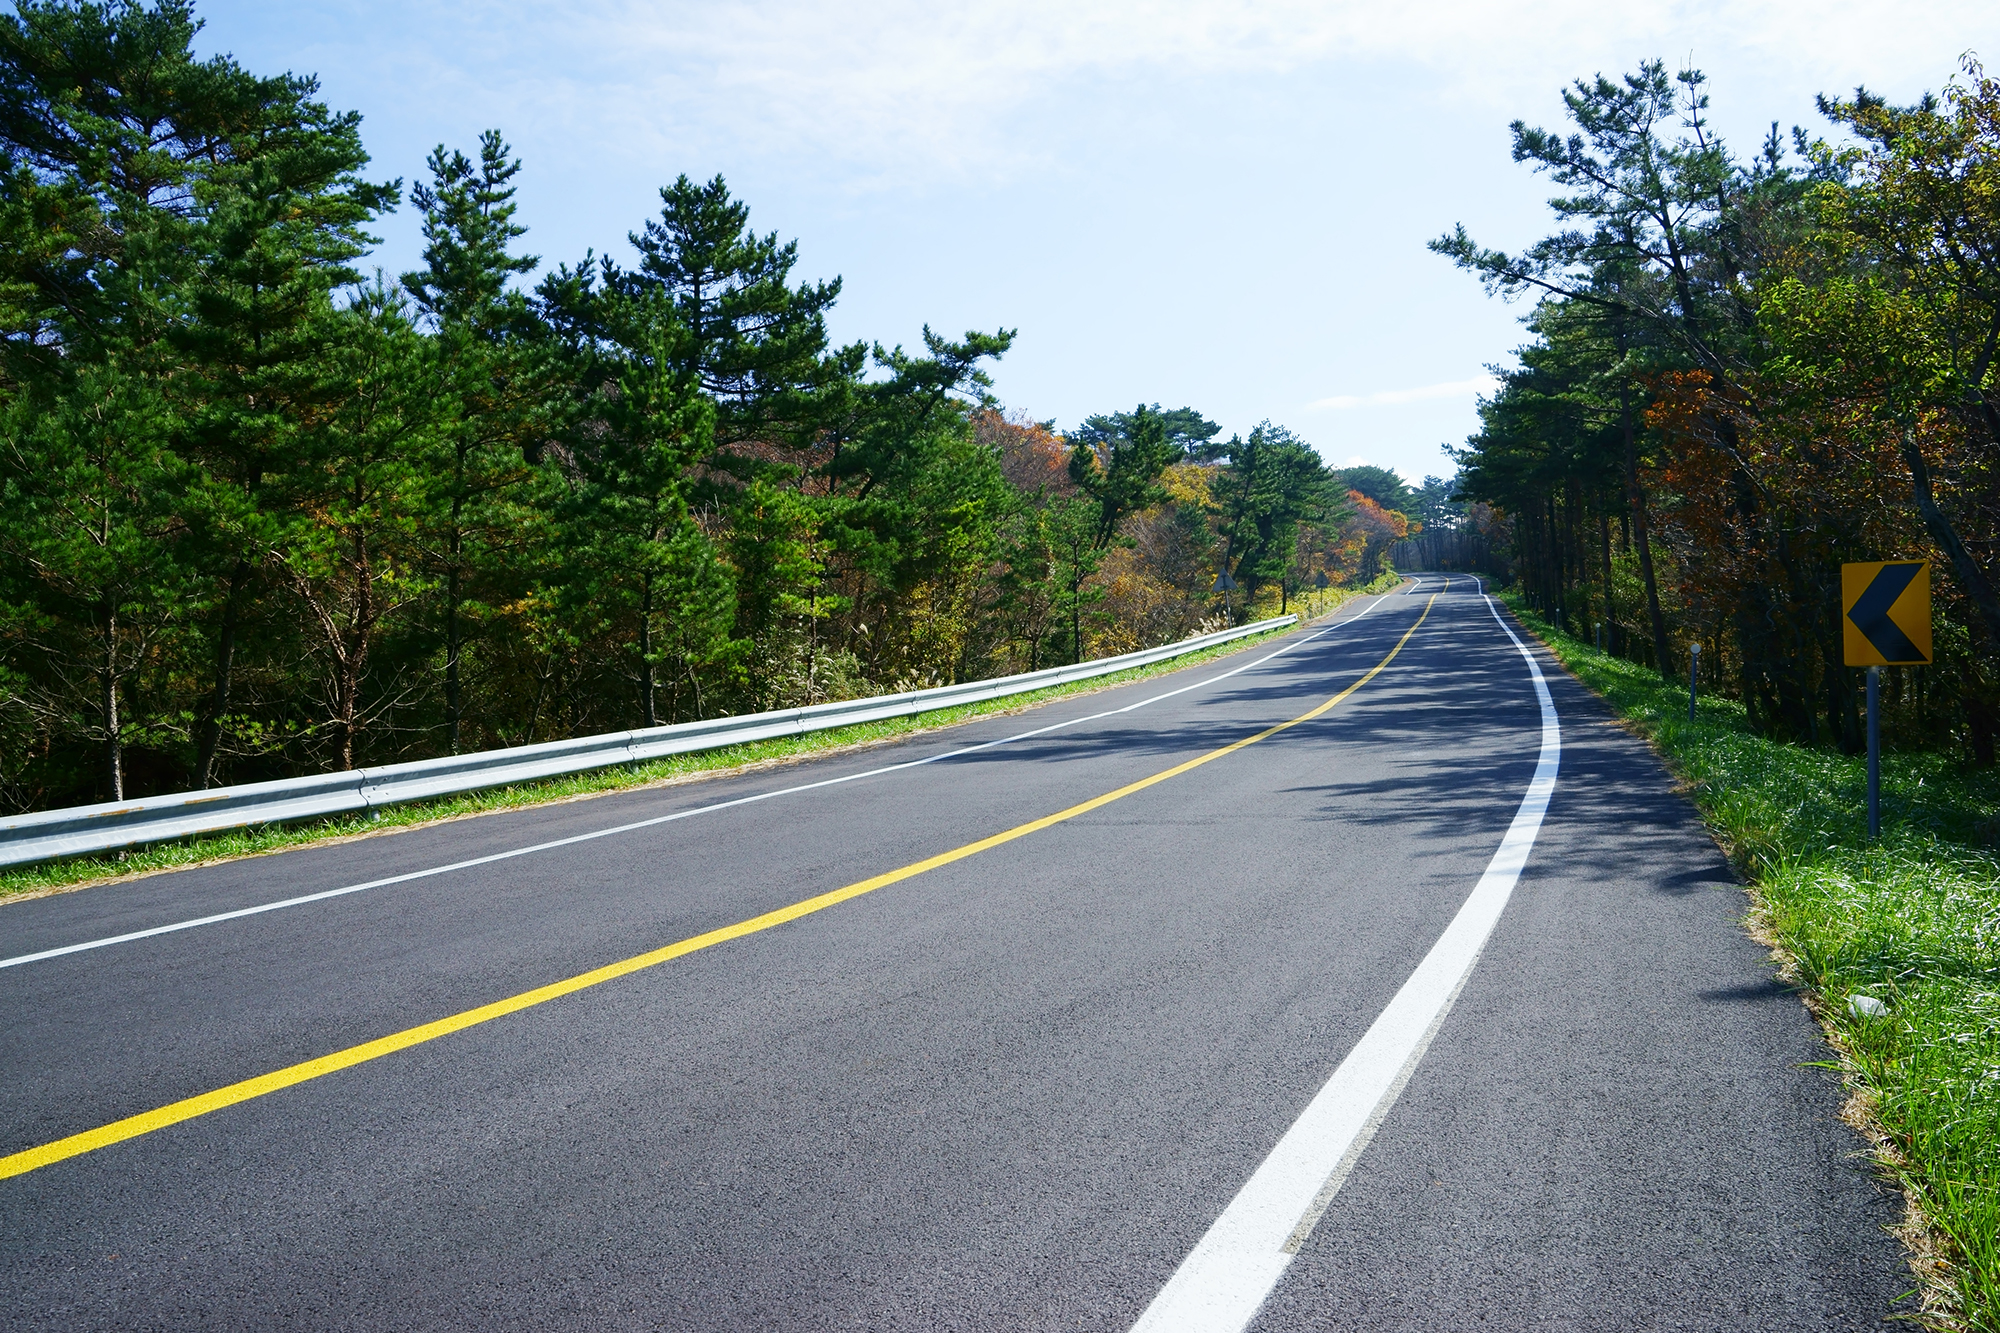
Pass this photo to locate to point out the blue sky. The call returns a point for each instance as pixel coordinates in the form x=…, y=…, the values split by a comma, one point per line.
x=1222, y=205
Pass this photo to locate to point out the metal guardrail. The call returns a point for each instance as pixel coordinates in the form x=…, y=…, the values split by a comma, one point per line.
x=80, y=830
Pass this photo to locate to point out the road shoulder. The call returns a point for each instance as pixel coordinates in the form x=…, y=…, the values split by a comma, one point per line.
x=1624, y=1122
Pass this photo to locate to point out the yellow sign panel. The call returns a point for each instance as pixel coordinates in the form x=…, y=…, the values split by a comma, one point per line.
x=1885, y=613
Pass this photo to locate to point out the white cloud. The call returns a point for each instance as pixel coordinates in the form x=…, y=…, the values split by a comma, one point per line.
x=1393, y=397
x=911, y=85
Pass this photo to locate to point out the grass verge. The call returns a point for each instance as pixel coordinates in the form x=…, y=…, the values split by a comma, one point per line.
x=83, y=872
x=1912, y=920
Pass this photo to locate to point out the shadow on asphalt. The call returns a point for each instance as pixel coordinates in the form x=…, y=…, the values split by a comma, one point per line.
x=1753, y=992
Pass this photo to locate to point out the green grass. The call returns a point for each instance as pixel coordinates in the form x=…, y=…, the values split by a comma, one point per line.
x=1913, y=920
x=80, y=871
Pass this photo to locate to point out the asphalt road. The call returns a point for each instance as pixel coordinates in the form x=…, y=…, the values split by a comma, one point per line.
x=1011, y=1091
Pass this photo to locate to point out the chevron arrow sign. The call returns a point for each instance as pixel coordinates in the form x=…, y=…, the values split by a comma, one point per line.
x=1886, y=613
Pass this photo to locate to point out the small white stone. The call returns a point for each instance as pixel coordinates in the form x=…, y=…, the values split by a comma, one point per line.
x=1866, y=1006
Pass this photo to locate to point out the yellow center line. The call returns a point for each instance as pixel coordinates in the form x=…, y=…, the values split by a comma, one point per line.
x=264, y=1084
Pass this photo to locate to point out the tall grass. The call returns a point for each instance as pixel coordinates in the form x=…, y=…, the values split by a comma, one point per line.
x=1912, y=920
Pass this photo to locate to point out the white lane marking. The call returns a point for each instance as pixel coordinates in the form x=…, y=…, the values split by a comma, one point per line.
x=1222, y=1284
x=344, y=890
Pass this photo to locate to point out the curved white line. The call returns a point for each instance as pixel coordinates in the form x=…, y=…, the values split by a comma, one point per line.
x=1222, y=1284
x=552, y=845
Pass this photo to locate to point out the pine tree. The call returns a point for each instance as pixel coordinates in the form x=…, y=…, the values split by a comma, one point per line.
x=482, y=348
x=755, y=344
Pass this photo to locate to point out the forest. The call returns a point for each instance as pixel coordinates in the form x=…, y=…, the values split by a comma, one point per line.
x=1744, y=371
x=266, y=515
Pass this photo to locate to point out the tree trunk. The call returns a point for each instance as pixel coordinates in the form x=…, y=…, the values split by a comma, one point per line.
x=454, y=587
x=812, y=637
x=1979, y=729
x=451, y=598
x=355, y=654
x=114, y=747
x=1842, y=716
x=1076, y=619
x=225, y=661
x=1558, y=569
x=647, y=706
x=1573, y=550
x=349, y=686
x=1970, y=576
x=1788, y=655
x=1637, y=500
x=1610, y=602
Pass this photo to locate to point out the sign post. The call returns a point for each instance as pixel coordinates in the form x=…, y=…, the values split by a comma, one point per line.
x=1694, y=675
x=1874, y=753
x=1885, y=621
x=1225, y=585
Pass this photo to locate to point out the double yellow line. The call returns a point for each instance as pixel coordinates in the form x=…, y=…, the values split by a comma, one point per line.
x=264, y=1084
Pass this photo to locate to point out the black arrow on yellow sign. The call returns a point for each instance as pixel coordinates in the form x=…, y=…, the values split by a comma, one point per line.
x=1888, y=612
x=1871, y=613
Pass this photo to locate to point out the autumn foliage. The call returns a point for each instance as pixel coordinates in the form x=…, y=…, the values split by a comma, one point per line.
x=1796, y=370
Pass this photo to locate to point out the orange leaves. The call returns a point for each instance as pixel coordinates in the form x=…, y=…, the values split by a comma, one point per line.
x=1356, y=549
x=1375, y=518
x=1032, y=456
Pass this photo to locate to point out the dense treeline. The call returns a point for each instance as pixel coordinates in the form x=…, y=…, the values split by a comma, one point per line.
x=1744, y=373
x=263, y=516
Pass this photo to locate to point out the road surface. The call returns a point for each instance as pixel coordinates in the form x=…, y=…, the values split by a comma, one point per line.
x=1431, y=1009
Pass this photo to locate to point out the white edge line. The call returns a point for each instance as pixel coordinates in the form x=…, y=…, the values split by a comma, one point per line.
x=1232, y=1270
x=323, y=895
